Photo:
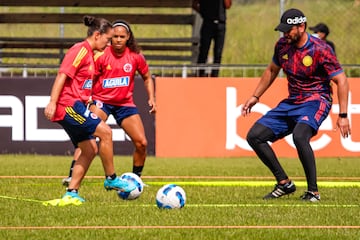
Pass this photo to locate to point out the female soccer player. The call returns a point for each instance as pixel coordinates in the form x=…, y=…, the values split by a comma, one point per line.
x=114, y=86
x=68, y=107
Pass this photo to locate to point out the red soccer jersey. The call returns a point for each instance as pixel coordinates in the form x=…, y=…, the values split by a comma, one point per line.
x=114, y=83
x=78, y=65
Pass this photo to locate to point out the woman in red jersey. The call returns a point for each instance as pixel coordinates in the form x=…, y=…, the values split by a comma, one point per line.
x=113, y=89
x=114, y=86
x=68, y=107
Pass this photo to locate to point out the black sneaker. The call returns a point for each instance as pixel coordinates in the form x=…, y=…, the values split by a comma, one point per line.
x=310, y=196
x=281, y=190
x=66, y=181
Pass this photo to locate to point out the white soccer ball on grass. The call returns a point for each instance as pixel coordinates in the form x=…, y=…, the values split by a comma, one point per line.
x=135, y=179
x=170, y=196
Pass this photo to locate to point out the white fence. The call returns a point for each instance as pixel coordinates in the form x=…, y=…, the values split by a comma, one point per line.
x=235, y=70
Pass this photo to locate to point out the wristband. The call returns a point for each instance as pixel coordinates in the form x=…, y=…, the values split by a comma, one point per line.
x=342, y=115
x=256, y=97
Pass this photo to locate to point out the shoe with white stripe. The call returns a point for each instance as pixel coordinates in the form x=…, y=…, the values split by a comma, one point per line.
x=281, y=190
x=310, y=196
x=66, y=181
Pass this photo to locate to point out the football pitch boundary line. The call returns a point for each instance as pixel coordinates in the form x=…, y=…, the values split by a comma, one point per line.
x=211, y=183
x=193, y=177
x=255, y=205
x=173, y=227
x=252, y=183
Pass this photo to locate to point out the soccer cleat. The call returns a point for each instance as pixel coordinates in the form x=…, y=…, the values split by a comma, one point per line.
x=54, y=202
x=69, y=198
x=66, y=181
x=281, y=190
x=73, y=195
x=118, y=185
x=310, y=196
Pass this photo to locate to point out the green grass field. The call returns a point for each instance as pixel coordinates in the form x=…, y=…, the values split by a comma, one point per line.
x=224, y=201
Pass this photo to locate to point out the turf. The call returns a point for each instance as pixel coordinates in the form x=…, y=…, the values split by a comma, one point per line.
x=224, y=201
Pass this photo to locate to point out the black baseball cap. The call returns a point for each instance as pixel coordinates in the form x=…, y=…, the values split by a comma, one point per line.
x=290, y=18
x=320, y=27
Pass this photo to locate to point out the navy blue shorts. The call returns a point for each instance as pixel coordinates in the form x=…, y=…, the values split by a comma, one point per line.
x=283, y=118
x=79, y=123
x=119, y=112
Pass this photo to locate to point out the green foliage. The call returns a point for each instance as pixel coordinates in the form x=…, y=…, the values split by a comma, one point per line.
x=211, y=212
x=251, y=36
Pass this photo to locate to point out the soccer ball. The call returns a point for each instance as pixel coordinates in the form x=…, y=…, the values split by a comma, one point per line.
x=170, y=196
x=131, y=177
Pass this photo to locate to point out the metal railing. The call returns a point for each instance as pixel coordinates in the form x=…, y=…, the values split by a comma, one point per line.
x=184, y=71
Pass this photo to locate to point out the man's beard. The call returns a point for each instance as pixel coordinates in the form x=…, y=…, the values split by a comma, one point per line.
x=294, y=40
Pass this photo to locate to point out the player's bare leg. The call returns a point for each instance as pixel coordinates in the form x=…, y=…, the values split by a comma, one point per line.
x=134, y=128
x=88, y=152
x=106, y=151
